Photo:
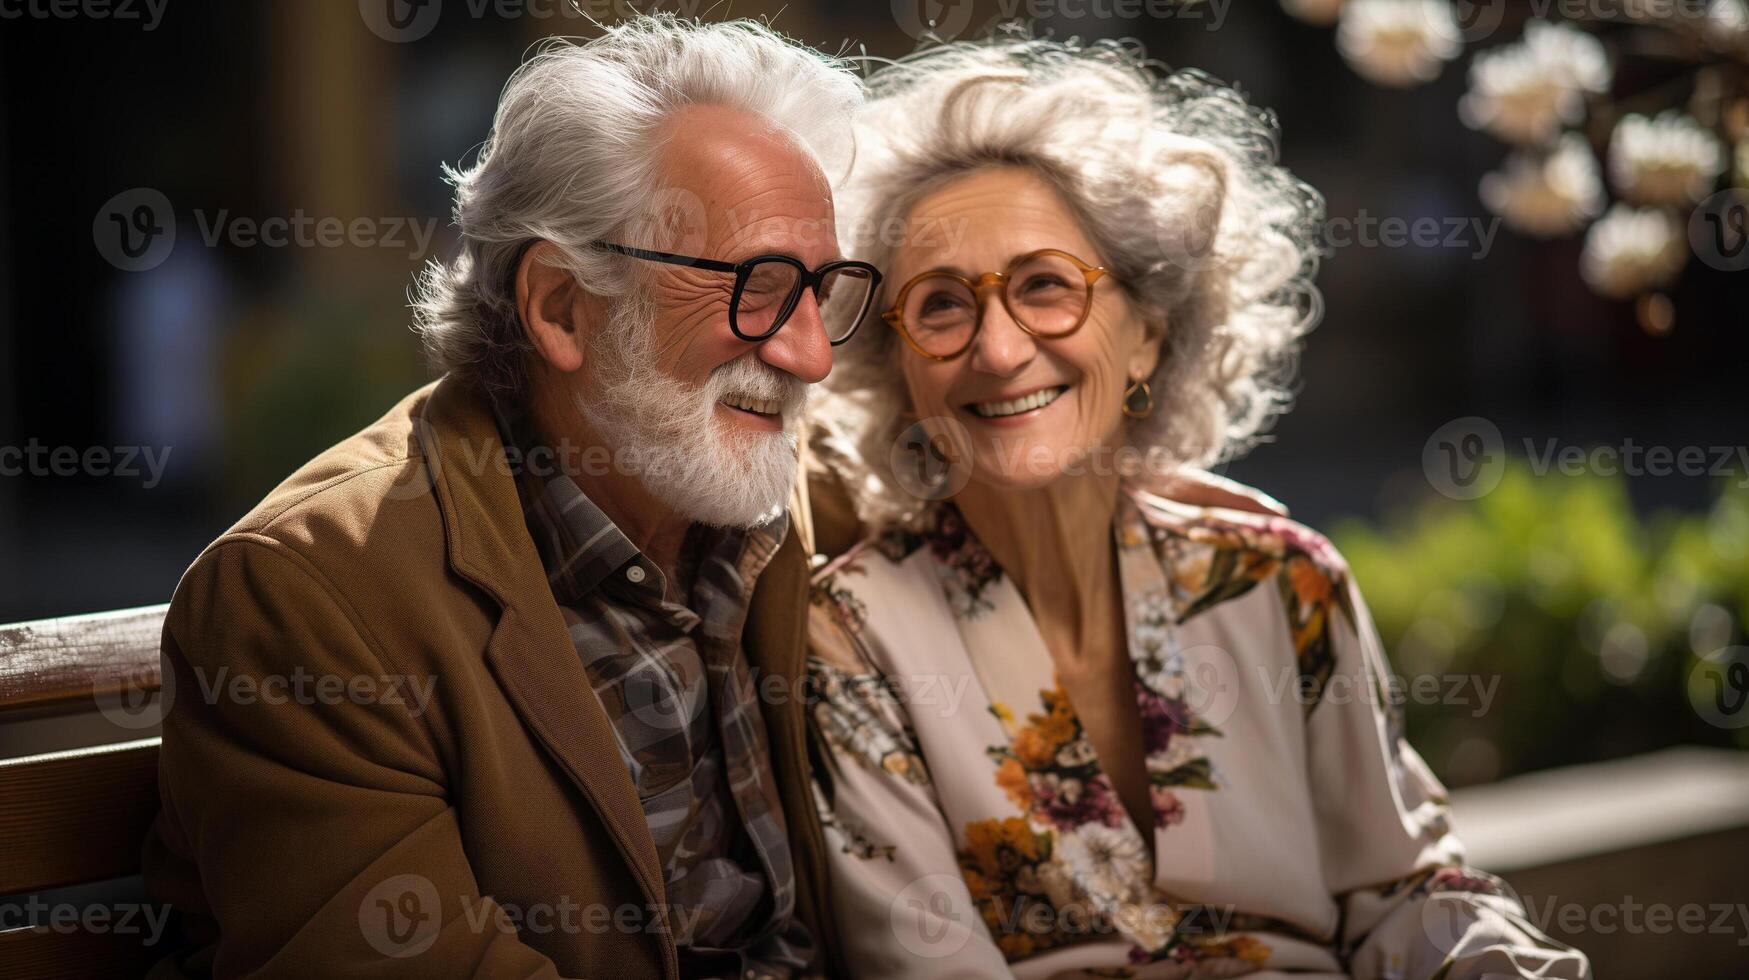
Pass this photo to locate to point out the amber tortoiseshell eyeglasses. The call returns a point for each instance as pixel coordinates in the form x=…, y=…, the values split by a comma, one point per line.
x=1048, y=293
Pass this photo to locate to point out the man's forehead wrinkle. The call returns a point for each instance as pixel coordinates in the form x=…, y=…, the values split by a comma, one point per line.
x=774, y=213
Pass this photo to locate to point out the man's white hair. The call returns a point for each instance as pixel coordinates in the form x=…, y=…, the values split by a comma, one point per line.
x=1174, y=177
x=574, y=156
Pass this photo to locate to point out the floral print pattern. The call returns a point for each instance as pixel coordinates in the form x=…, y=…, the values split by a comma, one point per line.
x=853, y=714
x=1049, y=857
x=1210, y=561
x=944, y=532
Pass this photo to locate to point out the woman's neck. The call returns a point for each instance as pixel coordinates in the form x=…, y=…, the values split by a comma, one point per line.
x=1056, y=542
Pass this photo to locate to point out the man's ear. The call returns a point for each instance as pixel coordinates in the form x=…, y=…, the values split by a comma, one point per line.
x=556, y=310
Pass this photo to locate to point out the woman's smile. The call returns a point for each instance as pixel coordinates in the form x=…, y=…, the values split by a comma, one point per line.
x=1015, y=409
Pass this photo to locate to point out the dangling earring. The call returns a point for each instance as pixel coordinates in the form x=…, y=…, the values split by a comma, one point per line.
x=1129, y=398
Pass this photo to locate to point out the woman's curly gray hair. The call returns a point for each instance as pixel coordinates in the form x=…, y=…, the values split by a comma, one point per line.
x=1175, y=179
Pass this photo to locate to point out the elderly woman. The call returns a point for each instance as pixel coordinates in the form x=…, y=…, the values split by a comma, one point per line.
x=1070, y=727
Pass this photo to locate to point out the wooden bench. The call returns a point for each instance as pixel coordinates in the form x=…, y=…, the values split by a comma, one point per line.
x=72, y=819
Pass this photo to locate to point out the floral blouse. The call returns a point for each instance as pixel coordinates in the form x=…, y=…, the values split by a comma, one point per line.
x=973, y=833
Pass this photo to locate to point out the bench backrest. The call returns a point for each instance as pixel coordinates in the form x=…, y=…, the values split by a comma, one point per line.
x=77, y=816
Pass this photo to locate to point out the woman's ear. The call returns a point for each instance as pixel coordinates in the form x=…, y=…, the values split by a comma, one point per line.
x=556, y=310
x=1145, y=358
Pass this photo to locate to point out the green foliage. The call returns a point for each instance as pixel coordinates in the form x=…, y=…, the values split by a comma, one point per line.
x=1589, y=619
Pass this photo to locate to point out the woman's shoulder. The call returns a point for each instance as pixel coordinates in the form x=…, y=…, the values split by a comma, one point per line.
x=1214, y=554
x=1265, y=535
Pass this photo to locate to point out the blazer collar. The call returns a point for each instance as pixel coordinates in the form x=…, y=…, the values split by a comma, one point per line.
x=530, y=651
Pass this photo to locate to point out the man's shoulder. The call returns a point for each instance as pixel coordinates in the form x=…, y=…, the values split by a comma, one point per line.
x=366, y=496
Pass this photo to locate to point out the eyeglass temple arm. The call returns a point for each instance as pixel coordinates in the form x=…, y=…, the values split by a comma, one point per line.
x=669, y=257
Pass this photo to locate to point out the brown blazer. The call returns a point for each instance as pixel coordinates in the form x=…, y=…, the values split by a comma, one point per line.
x=321, y=817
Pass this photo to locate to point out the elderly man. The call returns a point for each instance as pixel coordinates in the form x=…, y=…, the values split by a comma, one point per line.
x=535, y=634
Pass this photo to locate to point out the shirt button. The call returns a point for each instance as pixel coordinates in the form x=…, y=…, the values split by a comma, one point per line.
x=635, y=573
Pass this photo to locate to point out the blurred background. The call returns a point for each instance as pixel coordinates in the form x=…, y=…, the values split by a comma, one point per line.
x=1523, y=417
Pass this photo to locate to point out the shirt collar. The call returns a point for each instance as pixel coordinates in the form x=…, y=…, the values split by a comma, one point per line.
x=581, y=548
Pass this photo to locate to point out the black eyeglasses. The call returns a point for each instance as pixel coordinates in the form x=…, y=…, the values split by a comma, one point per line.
x=768, y=287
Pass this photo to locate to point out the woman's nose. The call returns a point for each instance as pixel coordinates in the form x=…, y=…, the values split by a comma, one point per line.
x=1002, y=347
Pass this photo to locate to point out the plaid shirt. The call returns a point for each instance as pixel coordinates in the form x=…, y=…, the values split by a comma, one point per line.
x=678, y=690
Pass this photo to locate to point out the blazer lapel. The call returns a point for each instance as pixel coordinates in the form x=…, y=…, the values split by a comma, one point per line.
x=775, y=642
x=530, y=651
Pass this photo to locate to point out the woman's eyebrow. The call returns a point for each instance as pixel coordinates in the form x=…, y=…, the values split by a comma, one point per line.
x=954, y=269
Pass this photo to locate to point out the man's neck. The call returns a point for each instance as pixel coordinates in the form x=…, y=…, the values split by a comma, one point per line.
x=655, y=528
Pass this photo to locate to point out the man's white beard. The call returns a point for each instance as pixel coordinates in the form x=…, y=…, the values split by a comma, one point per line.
x=669, y=431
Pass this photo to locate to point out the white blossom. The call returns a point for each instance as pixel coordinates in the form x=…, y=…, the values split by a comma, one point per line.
x=1632, y=250
x=1546, y=194
x=1525, y=92
x=1727, y=20
x=1400, y=43
x=1110, y=860
x=1667, y=159
x=1320, y=12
